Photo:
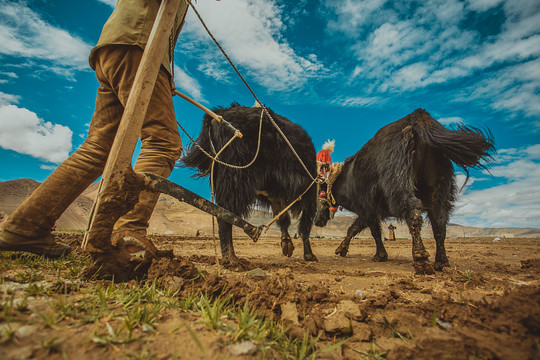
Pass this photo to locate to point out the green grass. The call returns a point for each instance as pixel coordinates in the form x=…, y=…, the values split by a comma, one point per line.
x=372, y=353
x=120, y=314
x=396, y=334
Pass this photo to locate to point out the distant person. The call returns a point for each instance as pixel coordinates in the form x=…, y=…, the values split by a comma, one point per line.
x=115, y=60
x=391, y=235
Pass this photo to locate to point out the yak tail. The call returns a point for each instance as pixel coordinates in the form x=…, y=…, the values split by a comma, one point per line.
x=195, y=157
x=467, y=147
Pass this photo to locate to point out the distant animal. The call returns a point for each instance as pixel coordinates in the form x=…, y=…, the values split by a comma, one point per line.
x=275, y=179
x=406, y=170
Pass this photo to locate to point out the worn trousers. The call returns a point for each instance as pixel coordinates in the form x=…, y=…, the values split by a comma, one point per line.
x=116, y=66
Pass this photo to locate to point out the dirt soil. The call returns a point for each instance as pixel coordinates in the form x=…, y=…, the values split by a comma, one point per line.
x=485, y=306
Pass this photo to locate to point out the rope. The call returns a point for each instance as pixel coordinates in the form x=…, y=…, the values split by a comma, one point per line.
x=335, y=171
x=215, y=159
x=267, y=225
x=251, y=91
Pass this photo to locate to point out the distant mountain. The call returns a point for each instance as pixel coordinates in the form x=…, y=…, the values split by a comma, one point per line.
x=13, y=193
x=174, y=217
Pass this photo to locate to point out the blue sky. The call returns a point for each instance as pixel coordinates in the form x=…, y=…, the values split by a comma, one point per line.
x=341, y=69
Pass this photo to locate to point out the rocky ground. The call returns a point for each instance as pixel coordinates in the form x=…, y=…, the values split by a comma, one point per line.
x=485, y=306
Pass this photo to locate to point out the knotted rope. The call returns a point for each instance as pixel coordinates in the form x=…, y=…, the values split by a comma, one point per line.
x=335, y=171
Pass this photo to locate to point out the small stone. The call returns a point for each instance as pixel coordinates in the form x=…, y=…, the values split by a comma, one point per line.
x=256, y=273
x=338, y=323
x=243, y=348
x=350, y=309
x=25, y=331
x=443, y=324
x=175, y=283
x=359, y=294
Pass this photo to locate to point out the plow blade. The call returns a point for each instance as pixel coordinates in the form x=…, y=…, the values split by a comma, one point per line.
x=165, y=186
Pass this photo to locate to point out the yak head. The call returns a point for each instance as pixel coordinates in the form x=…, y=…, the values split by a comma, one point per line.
x=323, y=214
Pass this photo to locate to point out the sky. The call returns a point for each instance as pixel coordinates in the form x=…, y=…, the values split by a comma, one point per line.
x=341, y=69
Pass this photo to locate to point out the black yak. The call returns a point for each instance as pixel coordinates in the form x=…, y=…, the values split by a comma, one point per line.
x=275, y=179
x=404, y=171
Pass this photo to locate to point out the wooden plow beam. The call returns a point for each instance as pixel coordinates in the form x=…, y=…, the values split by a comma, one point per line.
x=165, y=186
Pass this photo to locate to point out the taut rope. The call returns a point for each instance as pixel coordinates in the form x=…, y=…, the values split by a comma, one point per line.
x=251, y=91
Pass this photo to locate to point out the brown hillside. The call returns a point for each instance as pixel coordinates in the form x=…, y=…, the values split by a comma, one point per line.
x=13, y=193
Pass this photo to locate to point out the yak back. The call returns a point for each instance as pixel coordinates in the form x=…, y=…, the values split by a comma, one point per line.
x=276, y=169
x=407, y=157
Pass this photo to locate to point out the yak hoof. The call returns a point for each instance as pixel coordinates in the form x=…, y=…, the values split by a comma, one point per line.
x=423, y=267
x=379, y=258
x=440, y=265
x=287, y=247
x=310, y=257
x=421, y=255
x=341, y=251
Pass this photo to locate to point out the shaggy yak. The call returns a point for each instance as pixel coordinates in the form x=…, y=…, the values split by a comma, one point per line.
x=275, y=179
x=403, y=171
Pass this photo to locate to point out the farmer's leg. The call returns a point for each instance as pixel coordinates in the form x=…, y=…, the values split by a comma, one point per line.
x=161, y=147
x=39, y=212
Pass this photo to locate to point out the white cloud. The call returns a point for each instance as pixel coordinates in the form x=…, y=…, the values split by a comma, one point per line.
x=358, y=101
x=251, y=34
x=352, y=15
x=188, y=84
x=401, y=48
x=393, y=44
x=111, y=3
x=9, y=74
x=482, y=5
x=6, y=99
x=513, y=88
x=24, y=132
x=23, y=34
x=451, y=120
x=515, y=203
x=48, y=167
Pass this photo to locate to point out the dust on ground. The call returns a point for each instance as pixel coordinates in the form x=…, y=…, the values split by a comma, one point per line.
x=485, y=306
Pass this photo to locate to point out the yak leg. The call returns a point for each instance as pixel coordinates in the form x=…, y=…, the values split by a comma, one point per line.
x=284, y=221
x=228, y=257
x=354, y=229
x=380, y=254
x=304, y=228
x=438, y=224
x=225, y=241
x=287, y=246
x=420, y=255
